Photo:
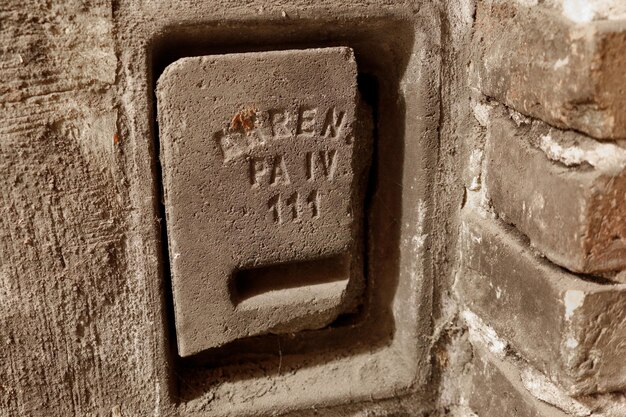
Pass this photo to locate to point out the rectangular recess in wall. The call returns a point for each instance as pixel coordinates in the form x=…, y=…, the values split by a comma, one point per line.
x=382, y=344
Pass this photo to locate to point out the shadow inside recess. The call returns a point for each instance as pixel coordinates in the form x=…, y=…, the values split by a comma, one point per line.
x=254, y=285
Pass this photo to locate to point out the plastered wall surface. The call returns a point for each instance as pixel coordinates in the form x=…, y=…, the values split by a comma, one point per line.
x=481, y=295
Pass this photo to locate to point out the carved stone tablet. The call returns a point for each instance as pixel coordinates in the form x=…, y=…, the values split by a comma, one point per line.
x=263, y=176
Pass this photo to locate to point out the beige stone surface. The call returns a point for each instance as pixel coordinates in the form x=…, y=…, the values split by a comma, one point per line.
x=265, y=164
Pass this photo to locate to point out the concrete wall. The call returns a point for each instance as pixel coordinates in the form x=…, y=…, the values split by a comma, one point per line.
x=495, y=235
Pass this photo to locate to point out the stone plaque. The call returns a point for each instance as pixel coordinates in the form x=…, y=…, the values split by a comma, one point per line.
x=263, y=173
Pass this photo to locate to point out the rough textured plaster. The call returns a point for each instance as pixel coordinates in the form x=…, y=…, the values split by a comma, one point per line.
x=74, y=326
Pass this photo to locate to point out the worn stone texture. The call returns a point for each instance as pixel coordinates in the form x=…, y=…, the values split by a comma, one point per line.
x=569, y=328
x=543, y=64
x=563, y=190
x=74, y=327
x=271, y=174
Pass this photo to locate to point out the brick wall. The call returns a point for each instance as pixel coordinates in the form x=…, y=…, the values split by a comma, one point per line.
x=543, y=233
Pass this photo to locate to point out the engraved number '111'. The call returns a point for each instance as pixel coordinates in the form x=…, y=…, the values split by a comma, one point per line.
x=292, y=208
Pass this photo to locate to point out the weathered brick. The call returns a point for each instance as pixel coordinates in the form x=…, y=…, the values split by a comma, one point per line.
x=569, y=328
x=497, y=391
x=542, y=64
x=563, y=190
